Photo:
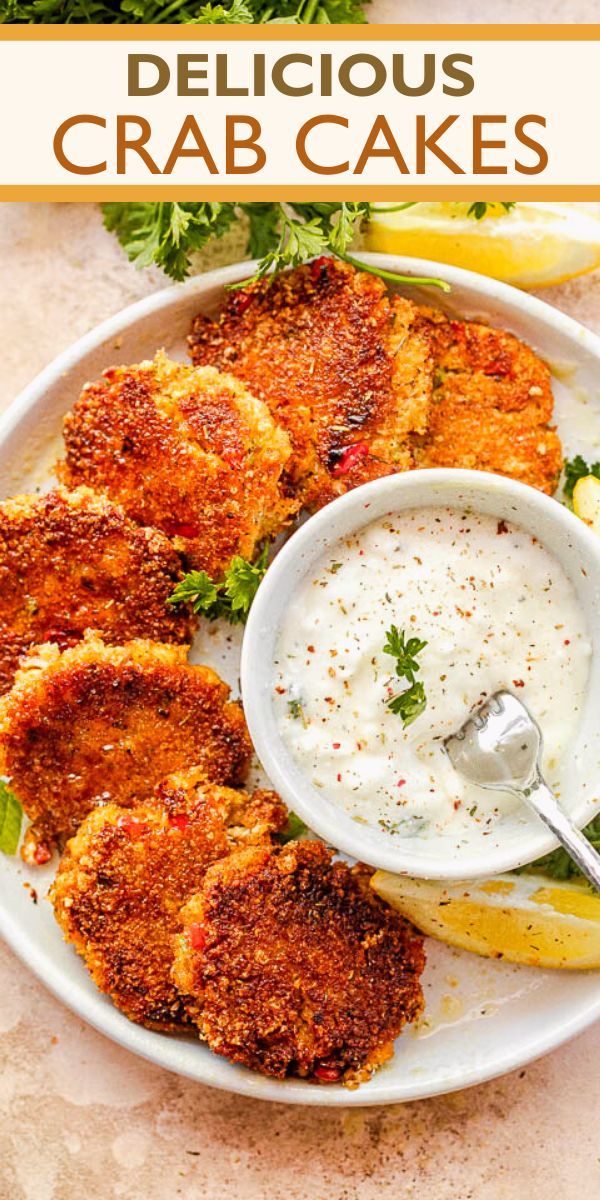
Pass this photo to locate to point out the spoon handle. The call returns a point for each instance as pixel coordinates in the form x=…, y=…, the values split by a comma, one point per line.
x=539, y=797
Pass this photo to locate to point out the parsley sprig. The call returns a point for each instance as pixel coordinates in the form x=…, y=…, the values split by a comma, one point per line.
x=280, y=235
x=183, y=12
x=412, y=701
x=576, y=469
x=11, y=819
x=231, y=597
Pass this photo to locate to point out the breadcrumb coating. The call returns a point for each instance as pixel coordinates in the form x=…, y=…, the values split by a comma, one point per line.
x=125, y=875
x=291, y=969
x=343, y=366
x=492, y=404
x=188, y=451
x=98, y=724
x=72, y=561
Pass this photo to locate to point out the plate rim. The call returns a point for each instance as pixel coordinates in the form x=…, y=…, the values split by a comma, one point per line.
x=93, y=1007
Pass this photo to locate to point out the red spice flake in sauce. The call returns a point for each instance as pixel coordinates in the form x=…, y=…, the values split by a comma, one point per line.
x=518, y=683
x=502, y=527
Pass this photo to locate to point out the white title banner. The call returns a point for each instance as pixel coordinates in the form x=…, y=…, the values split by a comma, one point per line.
x=315, y=112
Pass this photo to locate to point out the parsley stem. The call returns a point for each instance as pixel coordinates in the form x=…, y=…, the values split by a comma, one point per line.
x=392, y=276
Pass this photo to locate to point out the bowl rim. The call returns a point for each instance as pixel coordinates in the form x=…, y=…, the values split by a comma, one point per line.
x=567, y=1018
x=332, y=824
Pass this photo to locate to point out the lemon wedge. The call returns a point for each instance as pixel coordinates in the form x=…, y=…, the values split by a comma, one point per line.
x=521, y=918
x=586, y=501
x=533, y=245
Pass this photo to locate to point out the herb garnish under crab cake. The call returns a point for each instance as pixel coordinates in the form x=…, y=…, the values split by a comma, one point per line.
x=71, y=561
x=188, y=451
x=105, y=723
x=125, y=875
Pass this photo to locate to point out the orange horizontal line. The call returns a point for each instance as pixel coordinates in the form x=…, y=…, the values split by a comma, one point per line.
x=300, y=33
x=126, y=192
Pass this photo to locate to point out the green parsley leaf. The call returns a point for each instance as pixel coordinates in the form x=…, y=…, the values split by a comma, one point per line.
x=230, y=598
x=404, y=651
x=409, y=704
x=479, y=209
x=183, y=12
x=11, y=819
x=295, y=828
x=242, y=581
x=168, y=234
x=558, y=864
x=196, y=589
x=576, y=469
x=295, y=709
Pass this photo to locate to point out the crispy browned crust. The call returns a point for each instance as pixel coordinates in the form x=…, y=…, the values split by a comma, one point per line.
x=340, y=364
x=125, y=875
x=300, y=973
x=105, y=723
x=190, y=452
x=71, y=561
x=492, y=404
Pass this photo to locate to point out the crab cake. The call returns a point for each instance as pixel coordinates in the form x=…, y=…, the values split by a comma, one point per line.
x=188, y=451
x=291, y=969
x=71, y=561
x=492, y=404
x=125, y=875
x=343, y=367
x=105, y=723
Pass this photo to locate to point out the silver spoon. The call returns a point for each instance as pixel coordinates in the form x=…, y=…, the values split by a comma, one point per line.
x=499, y=747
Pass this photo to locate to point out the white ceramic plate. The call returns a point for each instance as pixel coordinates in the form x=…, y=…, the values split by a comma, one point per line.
x=482, y=1018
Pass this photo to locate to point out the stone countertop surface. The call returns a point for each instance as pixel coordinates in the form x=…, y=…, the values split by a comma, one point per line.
x=82, y=1117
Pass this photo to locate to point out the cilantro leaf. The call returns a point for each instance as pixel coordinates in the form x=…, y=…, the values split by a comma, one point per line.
x=231, y=598
x=409, y=704
x=11, y=819
x=576, y=469
x=558, y=864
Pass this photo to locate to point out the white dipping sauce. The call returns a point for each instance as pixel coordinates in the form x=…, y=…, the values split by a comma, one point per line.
x=496, y=610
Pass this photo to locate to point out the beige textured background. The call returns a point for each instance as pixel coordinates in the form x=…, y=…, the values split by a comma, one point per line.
x=81, y=1117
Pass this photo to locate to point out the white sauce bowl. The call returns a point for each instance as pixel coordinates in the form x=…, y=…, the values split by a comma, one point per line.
x=517, y=837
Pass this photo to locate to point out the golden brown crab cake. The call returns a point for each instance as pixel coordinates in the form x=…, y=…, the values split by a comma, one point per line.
x=342, y=366
x=100, y=723
x=71, y=561
x=125, y=875
x=492, y=404
x=291, y=969
x=188, y=451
